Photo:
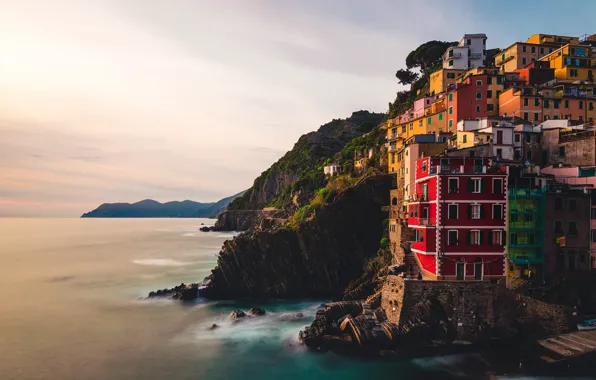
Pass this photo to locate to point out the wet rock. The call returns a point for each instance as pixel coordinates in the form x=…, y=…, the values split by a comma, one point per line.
x=205, y=229
x=213, y=327
x=291, y=316
x=237, y=315
x=181, y=292
x=256, y=311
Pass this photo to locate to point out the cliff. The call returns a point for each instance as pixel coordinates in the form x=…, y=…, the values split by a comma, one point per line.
x=291, y=181
x=318, y=257
x=149, y=208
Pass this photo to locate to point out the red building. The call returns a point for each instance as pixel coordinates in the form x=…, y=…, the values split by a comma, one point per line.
x=458, y=218
x=471, y=99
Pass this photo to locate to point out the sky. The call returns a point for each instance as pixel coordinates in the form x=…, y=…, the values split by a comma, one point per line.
x=123, y=100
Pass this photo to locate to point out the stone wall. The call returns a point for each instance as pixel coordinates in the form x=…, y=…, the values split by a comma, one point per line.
x=471, y=311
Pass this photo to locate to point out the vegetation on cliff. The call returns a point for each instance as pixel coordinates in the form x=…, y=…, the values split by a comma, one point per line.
x=292, y=180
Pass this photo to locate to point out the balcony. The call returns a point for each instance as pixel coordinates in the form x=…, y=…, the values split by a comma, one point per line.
x=392, y=148
x=502, y=60
x=575, y=135
x=422, y=221
x=475, y=55
x=393, y=137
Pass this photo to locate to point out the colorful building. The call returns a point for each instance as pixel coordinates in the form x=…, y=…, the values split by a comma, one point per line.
x=458, y=219
x=572, y=63
x=551, y=39
x=441, y=80
x=520, y=54
x=469, y=52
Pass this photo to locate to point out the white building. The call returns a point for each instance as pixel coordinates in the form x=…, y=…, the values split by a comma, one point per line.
x=332, y=169
x=501, y=141
x=469, y=53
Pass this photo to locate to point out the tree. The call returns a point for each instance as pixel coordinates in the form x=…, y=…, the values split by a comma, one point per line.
x=406, y=77
x=427, y=55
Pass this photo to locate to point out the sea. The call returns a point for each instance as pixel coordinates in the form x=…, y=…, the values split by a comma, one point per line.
x=73, y=306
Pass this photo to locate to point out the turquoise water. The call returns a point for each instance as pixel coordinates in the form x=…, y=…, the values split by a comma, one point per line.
x=71, y=309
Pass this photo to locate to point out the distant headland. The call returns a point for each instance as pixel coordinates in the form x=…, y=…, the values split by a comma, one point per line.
x=150, y=208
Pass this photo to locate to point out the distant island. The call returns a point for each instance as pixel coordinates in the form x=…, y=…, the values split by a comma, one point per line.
x=150, y=208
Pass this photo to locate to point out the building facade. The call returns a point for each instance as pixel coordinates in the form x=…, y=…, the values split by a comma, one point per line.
x=458, y=219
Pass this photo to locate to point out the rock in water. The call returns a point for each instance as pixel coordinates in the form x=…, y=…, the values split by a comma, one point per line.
x=204, y=229
x=256, y=311
x=190, y=293
x=181, y=292
x=236, y=315
x=213, y=327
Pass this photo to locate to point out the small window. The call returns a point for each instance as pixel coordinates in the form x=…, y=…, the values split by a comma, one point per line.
x=526, y=116
x=572, y=204
x=489, y=94
x=572, y=229
x=490, y=107
x=558, y=228
x=475, y=211
x=526, y=102
x=593, y=213
x=429, y=120
x=478, y=83
x=451, y=97
x=440, y=116
x=465, y=139
x=497, y=212
x=450, y=110
x=536, y=116
x=499, y=81
x=452, y=237
x=476, y=185
x=546, y=103
x=451, y=62
x=497, y=186
x=524, y=61
x=477, y=108
x=593, y=236
x=524, y=48
x=450, y=124
x=562, y=151
x=424, y=166
x=497, y=238
x=444, y=164
x=475, y=238
x=452, y=212
x=517, y=137
x=581, y=104
x=454, y=186
x=536, y=102
x=478, y=95
x=450, y=75
x=489, y=80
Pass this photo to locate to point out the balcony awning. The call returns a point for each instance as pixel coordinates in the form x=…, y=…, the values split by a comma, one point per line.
x=526, y=260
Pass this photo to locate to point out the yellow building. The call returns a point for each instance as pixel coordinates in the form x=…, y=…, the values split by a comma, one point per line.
x=439, y=80
x=467, y=139
x=572, y=62
x=521, y=54
x=551, y=39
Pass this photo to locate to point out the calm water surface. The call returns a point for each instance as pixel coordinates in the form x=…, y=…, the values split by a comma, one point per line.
x=70, y=292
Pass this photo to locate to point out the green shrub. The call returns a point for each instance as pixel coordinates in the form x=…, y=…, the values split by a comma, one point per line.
x=384, y=244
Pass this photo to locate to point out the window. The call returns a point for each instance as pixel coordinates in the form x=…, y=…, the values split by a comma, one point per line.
x=536, y=102
x=475, y=185
x=477, y=108
x=478, y=83
x=475, y=238
x=452, y=237
x=593, y=236
x=591, y=106
x=469, y=42
x=450, y=75
x=451, y=97
x=566, y=103
x=526, y=102
x=524, y=61
x=440, y=116
x=526, y=116
x=478, y=95
x=593, y=213
x=558, y=228
x=546, y=103
x=465, y=139
x=429, y=120
x=524, y=48
x=489, y=94
x=451, y=53
x=529, y=155
x=444, y=164
x=572, y=204
x=452, y=212
x=499, y=81
x=454, y=186
x=556, y=103
x=497, y=212
x=517, y=137
x=500, y=153
x=490, y=107
x=558, y=204
x=497, y=186
x=475, y=211
x=450, y=110
x=450, y=124
x=489, y=80
x=496, y=237
x=562, y=151
x=424, y=166
x=572, y=228
x=451, y=62
x=535, y=116
x=581, y=104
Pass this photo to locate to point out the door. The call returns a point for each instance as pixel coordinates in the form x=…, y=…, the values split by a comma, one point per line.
x=478, y=267
x=459, y=270
x=499, y=137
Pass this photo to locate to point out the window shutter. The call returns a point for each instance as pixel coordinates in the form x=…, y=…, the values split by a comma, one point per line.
x=482, y=181
x=480, y=237
x=469, y=237
x=490, y=238
x=470, y=185
x=469, y=211
x=504, y=237
x=481, y=211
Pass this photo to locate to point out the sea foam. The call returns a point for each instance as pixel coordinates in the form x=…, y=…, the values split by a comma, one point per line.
x=162, y=262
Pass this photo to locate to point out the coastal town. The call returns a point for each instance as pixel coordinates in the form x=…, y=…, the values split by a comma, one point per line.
x=495, y=168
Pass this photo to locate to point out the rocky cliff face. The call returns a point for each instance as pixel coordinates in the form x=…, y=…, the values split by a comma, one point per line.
x=319, y=257
x=291, y=181
x=243, y=220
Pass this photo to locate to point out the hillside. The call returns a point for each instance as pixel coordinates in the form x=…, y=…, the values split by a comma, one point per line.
x=290, y=182
x=149, y=208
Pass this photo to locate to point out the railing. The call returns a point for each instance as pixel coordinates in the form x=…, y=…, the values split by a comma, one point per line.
x=422, y=221
x=393, y=137
x=453, y=56
x=508, y=57
x=391, y=148
x=475, y=55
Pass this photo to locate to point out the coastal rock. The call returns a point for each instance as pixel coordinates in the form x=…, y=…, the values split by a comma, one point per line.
x=204, y=229
x=256, y=311
x=213, y=327
x=181, y=292
x=318, y=258
x=236, y=315
x=243, y=220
